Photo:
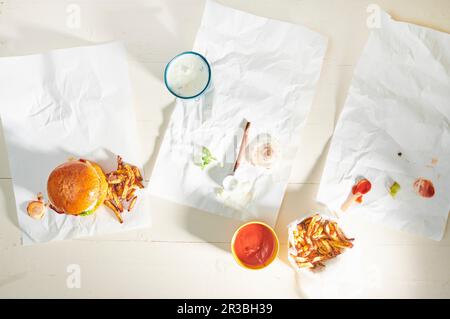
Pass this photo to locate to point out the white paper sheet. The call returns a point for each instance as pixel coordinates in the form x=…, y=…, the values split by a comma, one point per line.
x=264, y=71
x=62, y=104
x=395, y=127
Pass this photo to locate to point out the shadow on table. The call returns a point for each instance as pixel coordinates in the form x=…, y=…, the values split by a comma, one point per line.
x=299, y=195
x=151, y=42
x=6, y=188
x=426, y=24
x=148, y=36
x=219, y=231
x=34, y=40
x=6, y=184
x=12, y=278
x=167, y=113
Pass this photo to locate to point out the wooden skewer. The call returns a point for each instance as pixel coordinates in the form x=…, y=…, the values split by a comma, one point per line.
x=350, y=200
x=242, y=147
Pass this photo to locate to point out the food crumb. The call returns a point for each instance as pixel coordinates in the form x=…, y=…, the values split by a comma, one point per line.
x=394, y=189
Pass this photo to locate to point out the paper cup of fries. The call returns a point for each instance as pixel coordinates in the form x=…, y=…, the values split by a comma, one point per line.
x=315, y=240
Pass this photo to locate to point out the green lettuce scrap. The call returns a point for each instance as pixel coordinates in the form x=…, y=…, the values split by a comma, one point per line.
x=207, y=157
x=395, y=188
x=87, y=213
x=91, y=211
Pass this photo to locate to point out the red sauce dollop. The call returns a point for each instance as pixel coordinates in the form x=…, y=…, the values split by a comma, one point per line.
x=254, y=244
x=362, y=187
x=424, y=187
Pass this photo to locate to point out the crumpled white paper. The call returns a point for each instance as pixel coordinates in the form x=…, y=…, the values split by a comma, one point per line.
x=263, y=71
x=61, y=104
x=395, y=126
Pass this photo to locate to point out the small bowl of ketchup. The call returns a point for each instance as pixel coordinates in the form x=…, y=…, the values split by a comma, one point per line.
x=254, y=245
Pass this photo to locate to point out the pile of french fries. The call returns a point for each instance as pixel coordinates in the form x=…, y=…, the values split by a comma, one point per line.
x=315, y=240
x=122, y=186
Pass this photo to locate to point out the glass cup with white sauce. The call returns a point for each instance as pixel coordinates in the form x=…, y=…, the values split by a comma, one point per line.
x=187, y=75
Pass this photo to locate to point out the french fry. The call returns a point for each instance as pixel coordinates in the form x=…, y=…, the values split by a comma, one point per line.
x=327, y=246
x=122, y=186
x=117, y=202
x=132, y=202
x=341, y=235
x=115, y=210
x=307, y=221
x=137, y=173
x=139, y=184
x=114, y=179
x=130, y=174
x=316, y=240
x=123, y=196
x=130, y=194
x=312, y=224
x=341, y=244
x=119, y=162
x=305, y=265
x=108, y=193
x=318, y=232
x=118, y=188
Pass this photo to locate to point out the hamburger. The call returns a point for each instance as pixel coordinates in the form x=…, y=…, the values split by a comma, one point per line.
x=77, y=188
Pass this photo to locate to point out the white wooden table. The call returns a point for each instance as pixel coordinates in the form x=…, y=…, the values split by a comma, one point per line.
x=186, y=252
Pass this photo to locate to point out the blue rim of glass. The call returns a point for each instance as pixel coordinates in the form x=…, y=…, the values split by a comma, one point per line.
x=207, y=83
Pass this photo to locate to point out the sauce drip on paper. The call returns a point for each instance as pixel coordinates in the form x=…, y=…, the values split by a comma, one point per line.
x=424, y=187
x=361, y=188
x=254, y=244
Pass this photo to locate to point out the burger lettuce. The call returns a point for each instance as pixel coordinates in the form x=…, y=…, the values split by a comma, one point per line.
x=90, y=211
x=87, y=213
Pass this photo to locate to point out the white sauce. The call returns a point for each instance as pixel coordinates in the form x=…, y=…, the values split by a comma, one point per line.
x=187, y=75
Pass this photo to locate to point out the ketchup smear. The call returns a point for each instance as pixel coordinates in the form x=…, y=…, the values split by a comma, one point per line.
x=254, y=244
x=362, y=187
x=424, y=187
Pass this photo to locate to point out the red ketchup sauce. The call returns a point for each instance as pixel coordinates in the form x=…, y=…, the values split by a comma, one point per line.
x=362, y=187
x=424, y=187
x=254, y=245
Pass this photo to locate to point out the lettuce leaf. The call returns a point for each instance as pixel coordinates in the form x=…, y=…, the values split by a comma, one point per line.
x=207, y=157
x=87, y=213
x=91, y=211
